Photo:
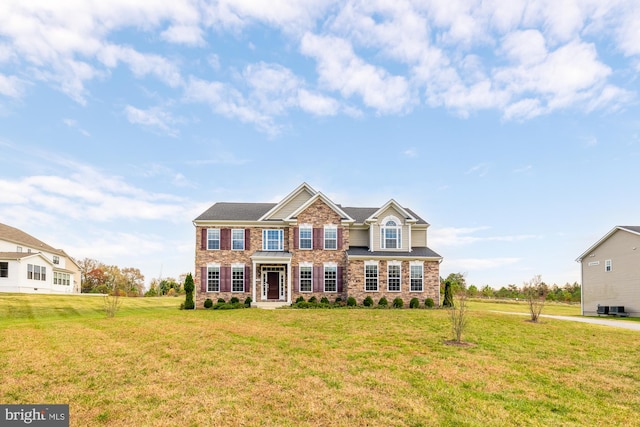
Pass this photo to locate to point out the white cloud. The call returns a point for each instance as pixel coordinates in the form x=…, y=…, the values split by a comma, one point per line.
x=11, y=86
x=523, y=169
x=74, y=125
x=410, y=152
x=467, y=264
x=481, y=169
x=153, y=118
x=451, y=236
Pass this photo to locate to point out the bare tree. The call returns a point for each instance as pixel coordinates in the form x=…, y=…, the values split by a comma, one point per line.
x=535, y=292
x=458, y=313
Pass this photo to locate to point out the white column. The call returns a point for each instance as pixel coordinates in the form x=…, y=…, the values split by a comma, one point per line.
x=289, y=282
x=254, y=282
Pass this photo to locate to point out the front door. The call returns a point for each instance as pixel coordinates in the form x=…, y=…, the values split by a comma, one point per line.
x=273, y=281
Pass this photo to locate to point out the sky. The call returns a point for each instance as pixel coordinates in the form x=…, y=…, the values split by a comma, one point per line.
x=513, y=128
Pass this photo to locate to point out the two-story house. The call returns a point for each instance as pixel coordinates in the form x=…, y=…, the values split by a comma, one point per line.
x=29, y=265
x=307, y=245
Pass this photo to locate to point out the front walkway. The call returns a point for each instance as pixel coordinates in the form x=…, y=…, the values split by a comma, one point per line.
x=634, y=326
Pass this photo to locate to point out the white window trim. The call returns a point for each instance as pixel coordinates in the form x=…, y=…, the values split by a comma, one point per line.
x=370, y=263
x=237, y=266
x=309, y=227
x=398, y=264
x=324, y=237
x=218, y=266
x=608, y=266
x=416, y=264
x=265, y=246
x=210, y=230
x=397, y=227
x=324, y=268
x=234, y=230
x=305, y=265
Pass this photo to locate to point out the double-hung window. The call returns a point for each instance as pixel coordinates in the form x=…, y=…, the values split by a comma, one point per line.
x=391, y=235
x=330, y=237
x=306, y=281
x=213, y=238
x=305, y=237
x=330, y=278
x=4, y=269
x=237, y=239
x=393, y=277
x=272, y=240
x=237, y=279
x=416, y=277
x=56, y=259
x=213, y=279
x=607, y=265
x=36, y=272
x=29, y=271
x=371, y=277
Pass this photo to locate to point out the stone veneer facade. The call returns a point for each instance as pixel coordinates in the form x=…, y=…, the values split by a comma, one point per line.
x=317, y=214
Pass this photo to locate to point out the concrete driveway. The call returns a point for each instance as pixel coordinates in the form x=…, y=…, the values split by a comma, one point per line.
x=634, y=326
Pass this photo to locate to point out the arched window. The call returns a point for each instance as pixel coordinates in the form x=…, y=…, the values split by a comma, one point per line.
x=391, y=234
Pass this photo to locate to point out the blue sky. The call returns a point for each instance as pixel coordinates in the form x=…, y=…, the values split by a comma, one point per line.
x=513, y=127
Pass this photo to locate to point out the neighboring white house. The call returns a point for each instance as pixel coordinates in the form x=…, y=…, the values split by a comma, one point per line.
x=29, y=265
x=611, y=272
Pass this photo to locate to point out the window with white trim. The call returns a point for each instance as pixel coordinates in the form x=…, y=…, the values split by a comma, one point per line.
x=371, y=277
x=607, y=265
x=391, y=234
x=36, y=272
x=61, y=278
x=272, y=240
x=4, y=269
x=56, y=259
x=237, y=239
x=330, y=237
x=19, y=249
x=213, y=239
x=306, y=279
x=305, y=240
x=237, y=279
x=417, y=273
x=29, y=271
x=393, y=277
x=330, y=278
x=213, y=279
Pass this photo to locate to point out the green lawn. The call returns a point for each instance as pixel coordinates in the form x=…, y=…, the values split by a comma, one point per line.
x=154, y=365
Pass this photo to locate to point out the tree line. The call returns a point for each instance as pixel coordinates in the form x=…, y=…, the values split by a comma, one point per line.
x=99, y=278
x=569, y=292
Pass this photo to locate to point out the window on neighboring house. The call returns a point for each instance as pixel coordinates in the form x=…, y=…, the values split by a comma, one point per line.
x=371, y=277
x=56, y=259
x=607, y=265
x=306, y=281
x=330, y=237
x=4, y=269
x=330, y=278
x=36, y=272
x=29, y=271
x=237, y=239
x=237, y=279
x=391, y=235
x=416, y=278
x=213, y=279
x=61, y=278
x=19, y=249
x=393, y=277
x=272, y=240
x=213, y=238
x=305, y=238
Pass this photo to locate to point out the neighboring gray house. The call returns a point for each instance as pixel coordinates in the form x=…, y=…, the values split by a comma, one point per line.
x=611, y=271
x=29, y=265
x=307, y=245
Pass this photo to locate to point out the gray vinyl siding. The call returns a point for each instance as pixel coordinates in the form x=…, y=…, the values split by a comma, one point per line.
x=621, y=285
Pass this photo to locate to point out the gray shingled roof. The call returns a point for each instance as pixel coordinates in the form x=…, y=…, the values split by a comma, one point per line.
x=16, y=255
x=228, y=211
x=415, y=252
x=634, y=228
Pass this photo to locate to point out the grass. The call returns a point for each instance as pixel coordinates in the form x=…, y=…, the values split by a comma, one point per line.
x=153, y=365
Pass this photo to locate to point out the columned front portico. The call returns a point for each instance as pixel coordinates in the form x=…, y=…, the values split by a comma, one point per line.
x=271, y=277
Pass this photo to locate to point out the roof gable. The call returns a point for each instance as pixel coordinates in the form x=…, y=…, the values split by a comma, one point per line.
x=319, y=196
x=19, y=237
x=627, y=228
x=408, y=217
x=290, y=203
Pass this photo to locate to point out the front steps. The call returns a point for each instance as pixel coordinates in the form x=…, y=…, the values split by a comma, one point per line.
x=269, y=305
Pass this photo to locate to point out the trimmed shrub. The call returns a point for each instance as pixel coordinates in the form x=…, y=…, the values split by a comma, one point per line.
x=234, y=300
x=338, y=300
x=313, y=299
x=299, y=299
x=351, y=302
x=324, y=300
x=208, y=303
x=368, y=301
x=398, y=302
x=227, y=306
x=383, y=302
x=414, y=303
x=429, y=303
x=189, y=287
x=221, y=300
x=247, y=302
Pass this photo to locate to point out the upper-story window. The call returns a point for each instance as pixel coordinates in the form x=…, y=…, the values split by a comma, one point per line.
x=213, y=238
x=273, y=240
x=305, y=237
x=330, y=237
x=56, y=259
x=391, y=235
x=19, y=249
x=607, y=265
x=237, y=239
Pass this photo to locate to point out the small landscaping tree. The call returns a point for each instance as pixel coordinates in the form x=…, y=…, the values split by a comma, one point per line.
x=448, y=294
x=458, y=316
x=535, y=293
x=188, y=288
